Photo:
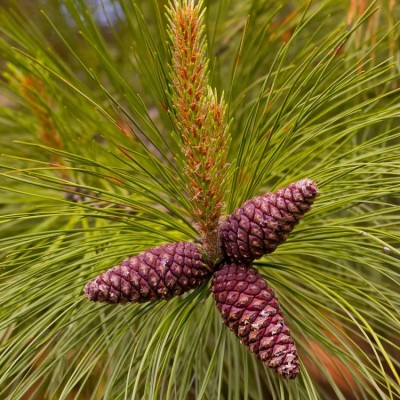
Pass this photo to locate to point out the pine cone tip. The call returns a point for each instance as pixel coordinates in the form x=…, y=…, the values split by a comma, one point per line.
x=308, y=187
x=91, y=291
x=289, y=370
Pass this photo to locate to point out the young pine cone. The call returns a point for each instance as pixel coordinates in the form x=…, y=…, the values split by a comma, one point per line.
x=264, y=222
x=251, y=310
x=158, y=273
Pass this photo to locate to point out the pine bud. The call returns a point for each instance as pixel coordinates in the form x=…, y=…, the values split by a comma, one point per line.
x=158, y=273
x=264, y=222
x=251, y=310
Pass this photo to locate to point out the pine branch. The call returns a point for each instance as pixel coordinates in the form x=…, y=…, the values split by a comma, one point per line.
x=311, y=96
x=200, y=120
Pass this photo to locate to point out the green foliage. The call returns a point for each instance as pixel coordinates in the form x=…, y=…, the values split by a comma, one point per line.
x=312, y=91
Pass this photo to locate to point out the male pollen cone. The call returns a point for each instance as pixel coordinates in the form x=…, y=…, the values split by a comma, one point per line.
x=251, y=310
x=158, y=273
x=264, y=222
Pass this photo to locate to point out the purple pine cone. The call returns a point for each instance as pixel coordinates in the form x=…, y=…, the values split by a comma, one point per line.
x=251, y=310
x=264, y=222
x=158, y=273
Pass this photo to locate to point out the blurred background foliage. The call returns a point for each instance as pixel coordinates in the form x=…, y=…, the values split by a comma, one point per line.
x=90, y=174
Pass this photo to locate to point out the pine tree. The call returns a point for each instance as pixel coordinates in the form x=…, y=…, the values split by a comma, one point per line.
x=125, y=128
